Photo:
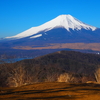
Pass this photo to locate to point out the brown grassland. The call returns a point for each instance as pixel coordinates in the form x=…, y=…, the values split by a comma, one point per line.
x=91, y=46
x=52, y=91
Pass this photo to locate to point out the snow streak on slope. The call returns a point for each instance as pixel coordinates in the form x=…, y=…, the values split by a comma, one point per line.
x=65, y=21
x=36, y=36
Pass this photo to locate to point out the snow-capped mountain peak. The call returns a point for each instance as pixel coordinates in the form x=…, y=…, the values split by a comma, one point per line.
x=69, y=22
x=66, y=21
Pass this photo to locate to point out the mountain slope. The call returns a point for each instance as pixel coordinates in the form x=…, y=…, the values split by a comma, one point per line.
x=63, y=21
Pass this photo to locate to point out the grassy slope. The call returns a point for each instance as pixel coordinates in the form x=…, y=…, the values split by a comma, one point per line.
x=52, y=91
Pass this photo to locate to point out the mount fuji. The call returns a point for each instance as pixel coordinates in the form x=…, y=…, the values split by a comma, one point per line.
x=63, y=21
x=57, y=33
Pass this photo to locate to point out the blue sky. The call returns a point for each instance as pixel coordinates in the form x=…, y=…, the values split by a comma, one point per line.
x=17, y=16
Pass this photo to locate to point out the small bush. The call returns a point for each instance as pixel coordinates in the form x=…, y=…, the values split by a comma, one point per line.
x=65, y=77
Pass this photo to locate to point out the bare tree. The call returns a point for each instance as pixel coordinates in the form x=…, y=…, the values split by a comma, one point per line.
x=97, y=74
x=51, y=77
x=4, y=73
x=19, y=76
x=13, y=75
x=16, y=77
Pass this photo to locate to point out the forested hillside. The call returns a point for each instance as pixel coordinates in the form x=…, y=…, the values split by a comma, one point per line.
x=61, y=66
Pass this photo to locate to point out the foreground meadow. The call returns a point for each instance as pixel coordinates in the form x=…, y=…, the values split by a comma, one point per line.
x=52, y=91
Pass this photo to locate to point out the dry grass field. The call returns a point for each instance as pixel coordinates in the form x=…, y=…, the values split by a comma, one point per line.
x=91, y=46
x=52, y=91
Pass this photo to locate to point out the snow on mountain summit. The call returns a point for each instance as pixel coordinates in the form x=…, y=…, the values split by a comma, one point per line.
x=66, y=21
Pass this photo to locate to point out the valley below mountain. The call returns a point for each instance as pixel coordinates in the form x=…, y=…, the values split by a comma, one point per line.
x=80, y=46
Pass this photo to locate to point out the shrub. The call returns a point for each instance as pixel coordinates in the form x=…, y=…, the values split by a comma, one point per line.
x=65, y=77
